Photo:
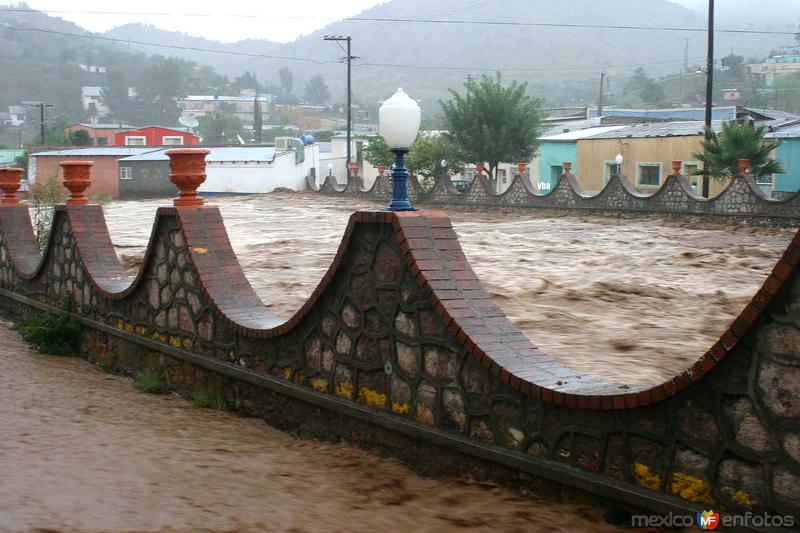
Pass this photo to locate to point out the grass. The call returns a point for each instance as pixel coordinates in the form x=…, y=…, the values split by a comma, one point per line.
x=151, y=382
x=208, y=401
x=50, y=334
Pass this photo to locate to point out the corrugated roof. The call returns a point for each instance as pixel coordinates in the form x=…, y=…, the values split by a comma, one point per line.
x=580, y=134
x=220, y=154
x=658, y=129
x=156, y=155
x=96, y=151
x=789, y=132
x=101, y=126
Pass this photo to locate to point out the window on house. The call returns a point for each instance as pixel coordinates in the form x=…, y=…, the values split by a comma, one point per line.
x=610, y=168
x=764, y=180
x=125, y=173
x=135, y=140
x=555, y=172
x=172, y=141
x=648, y=174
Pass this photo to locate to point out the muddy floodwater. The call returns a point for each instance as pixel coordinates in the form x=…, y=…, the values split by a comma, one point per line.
x=632, y=300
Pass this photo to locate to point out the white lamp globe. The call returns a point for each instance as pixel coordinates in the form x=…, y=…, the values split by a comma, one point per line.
x=618, y=160
x=399, y=119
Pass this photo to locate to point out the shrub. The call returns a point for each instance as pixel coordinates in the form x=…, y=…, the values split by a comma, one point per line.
x=208, y=401
x=51, y=334
x=151, y=382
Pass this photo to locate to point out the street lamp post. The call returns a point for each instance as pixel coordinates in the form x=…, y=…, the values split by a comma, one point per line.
x=399, y=121
x=618, y=160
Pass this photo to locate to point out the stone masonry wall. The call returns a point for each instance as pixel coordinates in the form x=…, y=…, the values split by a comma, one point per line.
x=741, y=199
x=401, y=329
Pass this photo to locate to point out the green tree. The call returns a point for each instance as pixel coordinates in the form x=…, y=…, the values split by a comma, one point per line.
x=377, y=153
x=116, y=94
x=722, y=151
x=220, y=128
x=287, y=81
x=80, y=138
x=652, y=93
x=428, y=152
x=493, y=123
x=160, y=85
x=316, y=91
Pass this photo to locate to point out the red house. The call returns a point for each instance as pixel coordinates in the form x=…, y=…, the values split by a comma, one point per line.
x=156, y=136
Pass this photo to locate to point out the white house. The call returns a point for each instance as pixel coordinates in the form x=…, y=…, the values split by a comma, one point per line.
x=258, y=169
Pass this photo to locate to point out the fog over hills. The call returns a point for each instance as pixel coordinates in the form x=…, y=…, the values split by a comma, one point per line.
x=428, y=58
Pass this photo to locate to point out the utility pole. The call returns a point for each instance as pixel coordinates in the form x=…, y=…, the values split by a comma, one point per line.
x=600, y=98
x=709, y=88
x=338, y=39
x=42, y=124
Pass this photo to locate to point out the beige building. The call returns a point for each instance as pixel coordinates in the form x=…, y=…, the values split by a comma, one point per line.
x=647, y=151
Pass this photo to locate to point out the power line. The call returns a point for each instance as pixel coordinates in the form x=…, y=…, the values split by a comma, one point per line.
x=373, y=64
x=92, y=36
x=566, y=25
x=408, y=20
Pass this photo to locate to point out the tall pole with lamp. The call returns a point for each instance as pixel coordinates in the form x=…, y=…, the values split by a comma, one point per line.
x=399, y=121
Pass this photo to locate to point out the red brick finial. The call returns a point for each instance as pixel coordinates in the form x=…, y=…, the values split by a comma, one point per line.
x=10, y=179
x=567, y=167
x=744, y=164
x=479, y=168
x=676, y=167
x=77, y=178
x=187, y=170
x=521, y=166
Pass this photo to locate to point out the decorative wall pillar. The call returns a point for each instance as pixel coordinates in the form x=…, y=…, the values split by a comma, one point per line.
x=10, y=181
x=187, y=170
x=77, y=178
x=676, y=167
x=567, y=165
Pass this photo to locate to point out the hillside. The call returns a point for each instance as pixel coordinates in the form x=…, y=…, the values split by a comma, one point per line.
x=413, y=54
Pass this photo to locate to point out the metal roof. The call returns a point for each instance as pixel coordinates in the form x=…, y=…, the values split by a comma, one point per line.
x=220, y=154
x=579, y=134
x=96, y=151
x=102, y=126
x=789, y=132
x=658, y=129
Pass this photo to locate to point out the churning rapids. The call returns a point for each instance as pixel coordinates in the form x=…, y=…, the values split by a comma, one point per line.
x=634, y=300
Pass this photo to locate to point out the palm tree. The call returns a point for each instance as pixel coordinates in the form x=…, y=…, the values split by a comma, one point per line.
x=738, y=140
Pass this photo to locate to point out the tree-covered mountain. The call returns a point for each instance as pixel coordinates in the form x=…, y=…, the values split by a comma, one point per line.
x=560, y=63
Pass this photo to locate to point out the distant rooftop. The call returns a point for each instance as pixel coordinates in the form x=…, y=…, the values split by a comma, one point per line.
x=96, y=151
x=101, y=126
x=219, y=154
x=579, y=134
x=657, y=129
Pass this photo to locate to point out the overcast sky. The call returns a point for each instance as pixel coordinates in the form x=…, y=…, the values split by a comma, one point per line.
x=277, y=20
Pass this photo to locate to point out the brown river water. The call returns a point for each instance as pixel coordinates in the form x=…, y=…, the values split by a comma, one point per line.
x=629, y=299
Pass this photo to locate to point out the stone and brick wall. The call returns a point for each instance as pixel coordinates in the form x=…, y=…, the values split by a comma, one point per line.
x=742, y=199
x=400, y=335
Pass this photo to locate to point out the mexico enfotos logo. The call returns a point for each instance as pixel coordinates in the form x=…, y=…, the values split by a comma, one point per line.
x=710, y=520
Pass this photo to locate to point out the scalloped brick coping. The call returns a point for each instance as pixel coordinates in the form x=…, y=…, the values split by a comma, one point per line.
x=401, y=327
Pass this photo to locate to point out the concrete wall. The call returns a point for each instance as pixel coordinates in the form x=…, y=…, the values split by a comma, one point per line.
x=593, y=153
x=254, y=177
x=105, y=173
x=554, y=154
x=788, y=154
x=149, y=179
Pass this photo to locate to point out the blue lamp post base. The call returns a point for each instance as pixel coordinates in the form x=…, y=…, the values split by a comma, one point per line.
x=400, y=200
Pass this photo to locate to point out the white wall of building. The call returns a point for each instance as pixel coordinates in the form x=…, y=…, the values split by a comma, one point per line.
x=256, y=177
